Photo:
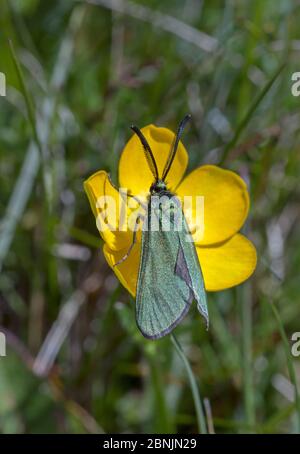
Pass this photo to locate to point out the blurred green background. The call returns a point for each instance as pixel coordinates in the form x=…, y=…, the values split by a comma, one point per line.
x=75, y=360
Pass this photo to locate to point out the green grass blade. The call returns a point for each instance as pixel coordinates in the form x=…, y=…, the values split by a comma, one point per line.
x=28, y=99
x=23, y=187
x=289, y=360
x=85, y=237
x=194, y=387
x=245, y=120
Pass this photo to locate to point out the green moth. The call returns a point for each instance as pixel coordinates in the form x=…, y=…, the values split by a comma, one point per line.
x=170, y=276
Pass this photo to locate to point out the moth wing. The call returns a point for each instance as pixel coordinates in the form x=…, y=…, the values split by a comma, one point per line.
x=194, y=279
x=170, y=277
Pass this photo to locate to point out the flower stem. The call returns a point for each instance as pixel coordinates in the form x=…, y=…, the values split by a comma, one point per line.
x=194, y=387
x=247, y=359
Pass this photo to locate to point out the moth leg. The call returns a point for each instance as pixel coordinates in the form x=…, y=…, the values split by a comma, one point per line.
x=133, y=241
x=127, y=194
x=138, y=200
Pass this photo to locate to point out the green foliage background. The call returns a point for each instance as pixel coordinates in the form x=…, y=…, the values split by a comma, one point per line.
x=90, y=73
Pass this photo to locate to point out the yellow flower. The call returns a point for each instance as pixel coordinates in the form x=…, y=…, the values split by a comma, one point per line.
x=227, y=257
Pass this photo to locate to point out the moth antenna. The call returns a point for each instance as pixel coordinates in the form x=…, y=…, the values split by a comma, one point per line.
x=174, y=147
x=148, y=152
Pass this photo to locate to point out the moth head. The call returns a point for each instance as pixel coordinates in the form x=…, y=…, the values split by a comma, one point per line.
x=158, y=186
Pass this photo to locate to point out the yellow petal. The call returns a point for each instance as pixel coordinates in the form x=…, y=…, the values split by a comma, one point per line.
x=108, y=208
x=226, y=203
x=223, y=266
x=228, y=264
x=127, y=271
x=134, y=172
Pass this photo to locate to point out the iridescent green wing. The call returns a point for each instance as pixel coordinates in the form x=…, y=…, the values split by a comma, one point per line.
x=170, y=276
